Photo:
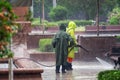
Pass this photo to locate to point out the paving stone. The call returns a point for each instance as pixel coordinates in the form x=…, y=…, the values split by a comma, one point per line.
x=82, y=70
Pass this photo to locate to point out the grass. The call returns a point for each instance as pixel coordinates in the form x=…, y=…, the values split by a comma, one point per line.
x=45, y=45
x=80, y=28
x=36, y=21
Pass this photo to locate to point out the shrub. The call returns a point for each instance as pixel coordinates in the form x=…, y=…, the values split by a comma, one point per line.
x=45, y=45
x=78, y=22
x=7, y=28
x=114, y=16
x=109, y=75
x=36, y=21
x=117, y=38
x=58, y=13
x=83, y=22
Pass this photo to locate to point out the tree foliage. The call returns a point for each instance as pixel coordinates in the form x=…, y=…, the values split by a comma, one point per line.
x=7, y=28
x=87, y=8
x=82, y=9
x=58, y=13
x=38, y=7
x=109, y=75
x=114, y=16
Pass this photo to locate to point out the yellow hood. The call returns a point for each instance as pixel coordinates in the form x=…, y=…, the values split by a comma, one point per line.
x=71, y=25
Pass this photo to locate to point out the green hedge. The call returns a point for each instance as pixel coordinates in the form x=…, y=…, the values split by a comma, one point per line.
x=58, y=13
x=114, y=16
x=109, y=75
x=78, y=22
x=45, y=45
x=36, y=21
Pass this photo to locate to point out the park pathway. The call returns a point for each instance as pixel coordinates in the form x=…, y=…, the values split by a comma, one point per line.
x=82, y=70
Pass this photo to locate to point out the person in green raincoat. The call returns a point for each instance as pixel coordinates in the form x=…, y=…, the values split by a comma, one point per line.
x=71, y=53
x=60, y=43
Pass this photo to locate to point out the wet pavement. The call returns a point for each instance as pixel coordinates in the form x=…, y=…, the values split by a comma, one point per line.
x=82, y=70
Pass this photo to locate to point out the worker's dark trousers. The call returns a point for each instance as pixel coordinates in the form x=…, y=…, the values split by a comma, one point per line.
x=58, y=68
x=63, y=68
x=69, y=66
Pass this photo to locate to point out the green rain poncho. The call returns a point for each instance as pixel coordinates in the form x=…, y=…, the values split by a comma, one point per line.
x=60, y=43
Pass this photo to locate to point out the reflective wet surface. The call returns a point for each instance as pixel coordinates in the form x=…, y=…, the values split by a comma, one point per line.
x=82, y=70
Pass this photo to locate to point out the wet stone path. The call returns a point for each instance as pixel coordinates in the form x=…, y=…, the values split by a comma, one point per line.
x=82, y=70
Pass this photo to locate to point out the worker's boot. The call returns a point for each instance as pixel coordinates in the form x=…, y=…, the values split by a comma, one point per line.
x=63, y=69
x=57, y=69
x=69, y=66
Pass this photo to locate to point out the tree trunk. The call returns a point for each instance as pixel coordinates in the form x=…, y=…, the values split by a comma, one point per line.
x=43, y=16
x=54, y=3
x=10, y=64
